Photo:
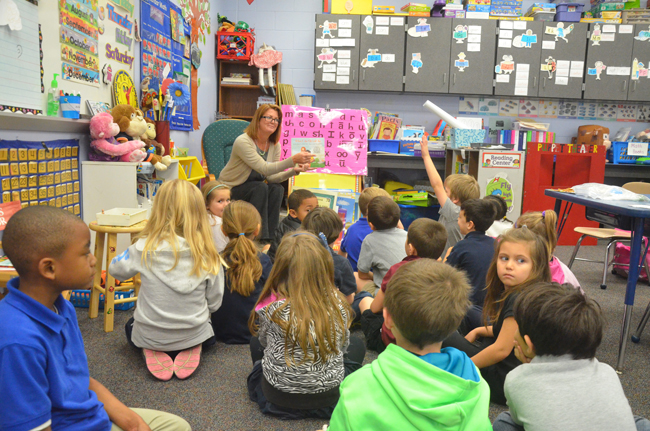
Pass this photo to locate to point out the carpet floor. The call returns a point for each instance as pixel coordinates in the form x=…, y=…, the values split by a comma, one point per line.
x=215, y=397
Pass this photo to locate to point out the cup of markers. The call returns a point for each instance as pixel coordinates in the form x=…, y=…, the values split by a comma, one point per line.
x=70, y=105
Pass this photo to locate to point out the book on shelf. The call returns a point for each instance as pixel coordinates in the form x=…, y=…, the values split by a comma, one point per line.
x=386, y=127
x=306, y=99
x=239, y=81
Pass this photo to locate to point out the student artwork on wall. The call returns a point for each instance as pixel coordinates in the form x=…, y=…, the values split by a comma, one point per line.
x=79, y=35
x=21, y=87
x=160, y=51
x=41, y=173
x=341, y=135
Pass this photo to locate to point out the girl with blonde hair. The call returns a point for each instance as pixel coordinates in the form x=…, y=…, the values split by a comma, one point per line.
x=182, y=281
x=248, y=270
x=302, y=349
x=543, y=224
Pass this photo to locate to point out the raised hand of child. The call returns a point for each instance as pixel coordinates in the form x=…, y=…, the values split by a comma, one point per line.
x=424, y=144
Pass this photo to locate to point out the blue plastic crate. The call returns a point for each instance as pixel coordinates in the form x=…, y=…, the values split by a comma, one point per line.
x=619, y=154
x=408, y=213
x=385, y=145
x=81, y=299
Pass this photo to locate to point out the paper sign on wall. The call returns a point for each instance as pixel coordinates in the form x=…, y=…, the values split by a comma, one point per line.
x=500, y=186
x=344, y=133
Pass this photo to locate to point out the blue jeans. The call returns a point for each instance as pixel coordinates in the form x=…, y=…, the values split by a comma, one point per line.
x=504, y=422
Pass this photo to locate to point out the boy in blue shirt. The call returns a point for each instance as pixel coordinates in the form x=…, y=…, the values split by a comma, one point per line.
x=473, y=254
x=43, y=365
x=351, y=244
x=416, y=384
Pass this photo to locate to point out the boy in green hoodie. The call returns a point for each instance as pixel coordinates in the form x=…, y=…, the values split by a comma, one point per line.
x=416, y=384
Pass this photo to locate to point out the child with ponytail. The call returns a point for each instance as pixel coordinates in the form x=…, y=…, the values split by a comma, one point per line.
x=248, y=270
x=543, y=224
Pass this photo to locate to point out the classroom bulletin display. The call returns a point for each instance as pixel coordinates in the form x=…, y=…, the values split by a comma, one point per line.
x=41, y=173
x=165, y=44
x=338, y=138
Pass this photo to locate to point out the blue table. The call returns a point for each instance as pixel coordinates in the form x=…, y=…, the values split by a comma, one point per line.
x=637, y=218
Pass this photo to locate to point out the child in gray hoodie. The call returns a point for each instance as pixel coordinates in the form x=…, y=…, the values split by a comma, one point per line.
x=182, y=281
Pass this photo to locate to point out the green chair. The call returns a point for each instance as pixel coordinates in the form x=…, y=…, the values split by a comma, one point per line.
x=217, y=141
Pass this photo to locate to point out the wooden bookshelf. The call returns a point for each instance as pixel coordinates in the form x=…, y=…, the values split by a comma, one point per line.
x=240, y=101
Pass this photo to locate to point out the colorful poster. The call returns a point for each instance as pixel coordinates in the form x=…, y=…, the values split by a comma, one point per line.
x=501, y=160
x=176, y=25
x=71, y=72
x=79, y=34
x=79, y=57
x=344, y=133
x=500, y=186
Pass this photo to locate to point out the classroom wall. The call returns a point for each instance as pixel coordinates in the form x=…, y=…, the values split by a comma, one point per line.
x=289, y=26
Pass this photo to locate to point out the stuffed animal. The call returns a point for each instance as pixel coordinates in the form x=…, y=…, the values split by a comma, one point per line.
x=104, y=147
x=131, y=122
x=155, y=150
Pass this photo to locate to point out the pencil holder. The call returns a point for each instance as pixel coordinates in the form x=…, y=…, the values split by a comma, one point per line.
x=70, y=106
x=162, y=135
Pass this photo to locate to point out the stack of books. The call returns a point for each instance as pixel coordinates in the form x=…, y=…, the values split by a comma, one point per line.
x=237, y=79
x=520, y=138
x=385, y=126
x=417, y=9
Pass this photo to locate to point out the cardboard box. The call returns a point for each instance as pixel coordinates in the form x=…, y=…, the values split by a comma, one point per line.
x=464, y=138
x=383, y=9
x=360, y=7
x=121, y=216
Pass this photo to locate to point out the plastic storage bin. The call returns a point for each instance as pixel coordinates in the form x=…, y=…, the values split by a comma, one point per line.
x=408, y=213
x=385, y=145
x=568, y=12
x=619, y=154
x=543, y=16
x=81, y=299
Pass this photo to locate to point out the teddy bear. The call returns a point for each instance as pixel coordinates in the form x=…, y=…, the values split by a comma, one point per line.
x=104, y=147
x=155, y=150
x=131, y=122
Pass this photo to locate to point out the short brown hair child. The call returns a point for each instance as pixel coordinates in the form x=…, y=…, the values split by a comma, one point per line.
x=480, y=212
x=367, y=195
x=323, y=220
x=462, y=187
x=383, y=213
x=428, y=237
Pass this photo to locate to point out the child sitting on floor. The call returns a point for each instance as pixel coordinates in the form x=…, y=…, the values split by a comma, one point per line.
x=182, y=282
x=520, y=260
x=472, y=254
x=561, y=385
x=217, y=197
x=44, y=374
x=543, y=224
x=351, y=244
x=328, y=223
x=302, y=349
x=426, y=238
x=416, y=384
x=300, y=202
x=384, y=247
x=247, y=271
x=456, y=189
x=501, y=223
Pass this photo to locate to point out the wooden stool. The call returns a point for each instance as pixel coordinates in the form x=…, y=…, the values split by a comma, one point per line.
x=109, y=291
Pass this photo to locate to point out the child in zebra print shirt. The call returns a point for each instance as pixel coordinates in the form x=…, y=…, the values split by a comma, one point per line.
x=301, y=347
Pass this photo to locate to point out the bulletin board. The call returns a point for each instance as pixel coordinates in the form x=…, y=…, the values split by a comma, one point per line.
x=338, y=138
x=41, y=173
x=111, y=48
x=165, y=43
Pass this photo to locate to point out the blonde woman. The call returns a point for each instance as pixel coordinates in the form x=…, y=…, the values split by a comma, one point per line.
x=254, y=171
x=248, y=270
x=182, y=281
x=302, y=348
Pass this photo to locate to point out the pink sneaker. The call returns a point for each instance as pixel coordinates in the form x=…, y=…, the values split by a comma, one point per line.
x=187, y=361
x=159, y=364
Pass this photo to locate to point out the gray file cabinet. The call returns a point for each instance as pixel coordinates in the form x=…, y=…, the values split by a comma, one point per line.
x=640, y=87
x=565, y=44
x=476, y=76
x=612, y=49
x=431, y=48
x=336, y=52
x=519, y=48
x=381, y=38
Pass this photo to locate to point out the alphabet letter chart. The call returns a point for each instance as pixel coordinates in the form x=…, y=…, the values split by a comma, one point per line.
x=343, y=134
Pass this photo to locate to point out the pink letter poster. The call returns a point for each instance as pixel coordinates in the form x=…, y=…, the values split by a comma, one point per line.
x=338, y=138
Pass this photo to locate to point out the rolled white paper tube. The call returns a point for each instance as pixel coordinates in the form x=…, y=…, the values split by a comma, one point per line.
x=443, y=115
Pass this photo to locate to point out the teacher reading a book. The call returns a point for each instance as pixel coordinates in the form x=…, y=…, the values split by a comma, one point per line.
x=254, y=170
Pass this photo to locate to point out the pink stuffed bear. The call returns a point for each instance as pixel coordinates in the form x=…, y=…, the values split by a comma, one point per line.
x=105, y=148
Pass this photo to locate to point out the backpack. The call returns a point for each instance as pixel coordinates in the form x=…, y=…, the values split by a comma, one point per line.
x=622, y=256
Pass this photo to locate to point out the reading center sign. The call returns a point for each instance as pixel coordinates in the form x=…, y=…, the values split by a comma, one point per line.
x=338, y=138
x=501, y=160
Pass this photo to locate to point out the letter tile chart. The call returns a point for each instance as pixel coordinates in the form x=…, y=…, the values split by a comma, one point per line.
x=41, y=173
